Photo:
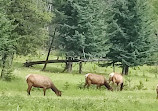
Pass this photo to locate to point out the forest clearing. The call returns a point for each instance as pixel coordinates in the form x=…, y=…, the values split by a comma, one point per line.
x=139, y=92
x=78, y=55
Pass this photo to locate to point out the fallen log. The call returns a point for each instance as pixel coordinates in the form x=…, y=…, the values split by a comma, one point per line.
x=31, y=63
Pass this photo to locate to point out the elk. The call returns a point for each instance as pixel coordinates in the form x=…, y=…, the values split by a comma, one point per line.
x=157, y=90
x=41, y=81
x=99, y=80
x=116, y=78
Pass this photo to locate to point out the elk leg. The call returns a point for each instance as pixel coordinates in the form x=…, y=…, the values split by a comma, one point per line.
x=88, y=86
x=121, y=86
x=29, y=89
x=157, y=92
x=89, y=83
x=98, y=86
x=44, y=90
x=112, y=85
x=86, y=82
x=117, y=86
x=85, y=85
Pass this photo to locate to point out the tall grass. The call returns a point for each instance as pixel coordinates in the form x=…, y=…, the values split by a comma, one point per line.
x=139, y=91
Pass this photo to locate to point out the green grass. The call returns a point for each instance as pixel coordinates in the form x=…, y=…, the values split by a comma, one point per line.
x=138, y=95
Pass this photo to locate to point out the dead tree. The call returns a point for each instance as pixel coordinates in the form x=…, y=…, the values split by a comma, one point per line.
x=53, y=37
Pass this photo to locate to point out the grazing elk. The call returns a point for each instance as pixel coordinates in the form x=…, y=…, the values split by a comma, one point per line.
x=116, y=78
x=157, y=90
x=99, y=80
x=41, y=81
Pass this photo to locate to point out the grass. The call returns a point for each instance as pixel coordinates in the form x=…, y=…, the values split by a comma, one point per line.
x=139, y=91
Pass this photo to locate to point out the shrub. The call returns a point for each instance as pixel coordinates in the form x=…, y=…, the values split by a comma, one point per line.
x=66, y=85
x=80, y=85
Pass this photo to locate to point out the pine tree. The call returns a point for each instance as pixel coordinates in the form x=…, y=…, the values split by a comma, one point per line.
x=129, y=31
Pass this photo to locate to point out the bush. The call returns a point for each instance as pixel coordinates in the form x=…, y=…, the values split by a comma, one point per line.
x=80, y=85
x=140, y=86
x=8, y=75
x=66, y=85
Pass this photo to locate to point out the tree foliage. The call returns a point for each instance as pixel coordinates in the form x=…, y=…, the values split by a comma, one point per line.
x=7, y=40
x=121, y=30
x=23, y=26
x=129, y=32
x=154, y=7
x=81, y=28
x=31, y=18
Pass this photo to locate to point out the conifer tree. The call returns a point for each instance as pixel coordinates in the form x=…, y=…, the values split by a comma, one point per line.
x=23, y=29
x=81, y=29
x=7, y=41
x=31, y=18
x=81, y=33
x=129, y=31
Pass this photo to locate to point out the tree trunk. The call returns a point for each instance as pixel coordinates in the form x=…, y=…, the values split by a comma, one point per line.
x=113, y=64
x=80, y=66
x=49, y=51
x=3, y=65
x=68, y=65
x=125, y=69
x=6, y=66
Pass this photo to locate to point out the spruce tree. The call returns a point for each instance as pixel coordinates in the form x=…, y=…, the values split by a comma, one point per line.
x=7, y=41
x=81, y=29
x=129, y=31
x=23, y=29
x=154, y=57
x=31, y=18
x=81, y=32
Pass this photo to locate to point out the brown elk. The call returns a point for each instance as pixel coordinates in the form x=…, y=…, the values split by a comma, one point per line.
x=157, y=90
x=116, y=78
x=41, y=81
x=99, y=80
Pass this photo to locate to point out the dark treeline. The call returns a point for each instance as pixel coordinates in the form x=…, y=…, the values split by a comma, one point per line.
x=123, y=31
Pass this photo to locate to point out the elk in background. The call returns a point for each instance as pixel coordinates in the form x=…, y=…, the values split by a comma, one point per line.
x=99, y=80
x=116, y=78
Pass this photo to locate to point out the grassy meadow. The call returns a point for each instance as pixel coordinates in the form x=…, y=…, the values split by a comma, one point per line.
x=138, y=94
